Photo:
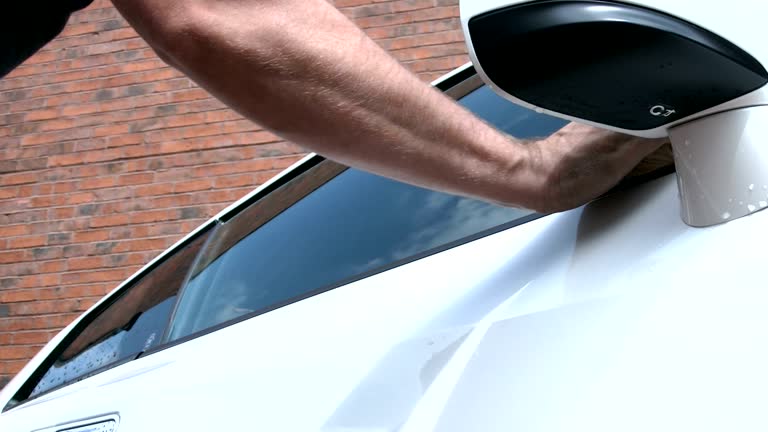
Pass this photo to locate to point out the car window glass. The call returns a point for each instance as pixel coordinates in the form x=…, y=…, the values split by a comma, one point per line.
x=132, y=323
x=322, y=232
x=513, y=119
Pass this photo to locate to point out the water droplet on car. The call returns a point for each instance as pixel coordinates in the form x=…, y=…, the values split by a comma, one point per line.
x=726, y=215
x=741, y=202
x=751, y=208
x=763, y=204
x=751, y=187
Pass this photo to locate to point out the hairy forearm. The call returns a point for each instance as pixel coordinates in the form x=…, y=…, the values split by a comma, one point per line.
x=302, y=70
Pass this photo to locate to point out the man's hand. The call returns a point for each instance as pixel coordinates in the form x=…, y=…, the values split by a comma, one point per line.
x=305, y=72
x=579, y=163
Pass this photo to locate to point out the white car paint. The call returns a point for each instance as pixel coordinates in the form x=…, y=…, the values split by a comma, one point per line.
x=611, y=316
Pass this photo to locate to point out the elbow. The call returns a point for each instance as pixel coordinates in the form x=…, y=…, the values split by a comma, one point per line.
x=177, y=39
x=173, y=30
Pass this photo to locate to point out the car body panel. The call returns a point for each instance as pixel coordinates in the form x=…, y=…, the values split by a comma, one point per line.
x=613, y=315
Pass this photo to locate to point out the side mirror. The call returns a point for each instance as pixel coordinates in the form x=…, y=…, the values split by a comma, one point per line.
x=643, y=70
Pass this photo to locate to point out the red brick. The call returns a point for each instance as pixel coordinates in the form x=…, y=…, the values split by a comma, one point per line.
x=110, y=130
x=8, y=193
x=53, y=266
x=18, y=296
x=44, y=114
x=10, y=368
x=26, y=242
x=91, y=236
x=63, y=187
x=103, y=155
x=54, y=137
x=188, y=95
x=152, y=216
x=13, y=230
x=153, y=190
x=39, y=281
x=46, y=307
x=235, y=181
x=46, y=322
x=107, y=221
x=84, y=290
x=193, y=185
x=22, y=352
x=80, y=198
x=135, y=179
x=31, y=337
x=125, y=140
x=98, y=183
x=18, y=178
x=85, y=263
x=62, y=213
x=154, y=244
x=48, y=201
x=93, y=276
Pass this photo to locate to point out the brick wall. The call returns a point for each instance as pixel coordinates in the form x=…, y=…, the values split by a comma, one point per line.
x=107, y=157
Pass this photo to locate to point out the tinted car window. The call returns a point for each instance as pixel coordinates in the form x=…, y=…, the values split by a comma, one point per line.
x=133, y=322
x=338, y=225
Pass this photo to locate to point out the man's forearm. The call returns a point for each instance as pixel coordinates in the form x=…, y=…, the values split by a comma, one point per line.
x=307, y=73
x=303, y=70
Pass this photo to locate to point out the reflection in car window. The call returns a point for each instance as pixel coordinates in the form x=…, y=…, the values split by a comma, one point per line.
x=133, y=323
x=355, y=223
x=513, y=119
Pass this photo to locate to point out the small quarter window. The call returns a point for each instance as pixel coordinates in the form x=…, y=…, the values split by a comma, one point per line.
x=133, y=322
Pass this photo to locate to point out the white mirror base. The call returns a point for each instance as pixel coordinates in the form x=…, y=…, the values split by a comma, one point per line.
x=722, y=165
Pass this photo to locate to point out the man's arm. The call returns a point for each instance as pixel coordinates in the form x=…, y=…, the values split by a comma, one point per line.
x=304, y=71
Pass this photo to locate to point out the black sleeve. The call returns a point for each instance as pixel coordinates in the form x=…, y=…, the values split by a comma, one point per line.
x=27, y=25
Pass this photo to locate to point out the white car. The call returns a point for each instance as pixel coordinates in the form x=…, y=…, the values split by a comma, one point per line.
x=334, y=300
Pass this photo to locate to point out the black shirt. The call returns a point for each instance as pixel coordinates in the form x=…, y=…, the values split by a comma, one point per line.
x=27, y=25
